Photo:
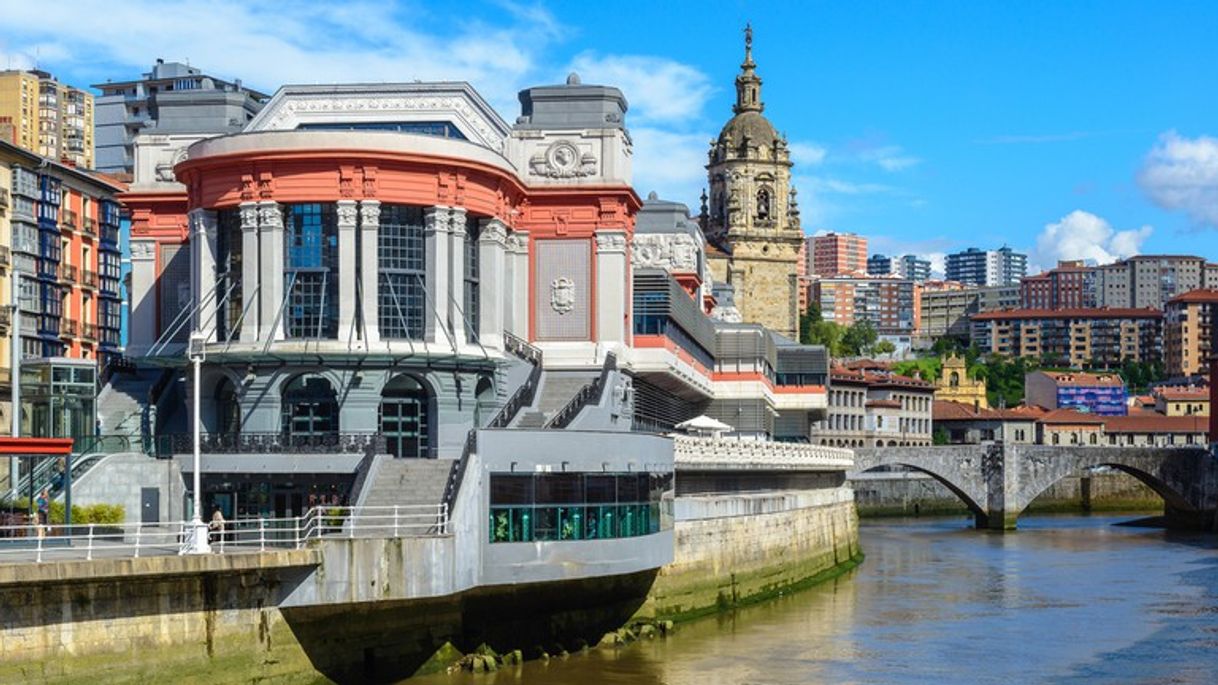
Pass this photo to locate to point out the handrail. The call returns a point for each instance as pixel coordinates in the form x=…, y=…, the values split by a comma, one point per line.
x=592, y=392
x=274, y=442
x=520, y=399
x=25, y=540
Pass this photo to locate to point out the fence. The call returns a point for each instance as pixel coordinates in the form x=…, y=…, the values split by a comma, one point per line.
x=691, y=451
x=26, y=541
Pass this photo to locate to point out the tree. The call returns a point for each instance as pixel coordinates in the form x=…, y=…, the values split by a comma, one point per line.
x=883, y=347
x=858, y=337
x=808, y=319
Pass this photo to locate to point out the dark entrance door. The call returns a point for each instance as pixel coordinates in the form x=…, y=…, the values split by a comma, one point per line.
x=150, y=505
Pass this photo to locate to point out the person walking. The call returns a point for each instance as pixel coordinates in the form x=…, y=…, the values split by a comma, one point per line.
x=43, y=502
x=216, y=526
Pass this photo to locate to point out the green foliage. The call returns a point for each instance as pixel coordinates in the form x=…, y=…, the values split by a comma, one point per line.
x=806, y=321
x=859, y=337
x=1004, y=379
x=884, y=347
x=102, y=514
x=927, y=367
x=842, y=341
x=940, y=436
x=1139, y=376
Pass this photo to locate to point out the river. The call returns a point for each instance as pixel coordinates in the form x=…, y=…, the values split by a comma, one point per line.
x=1063, y=600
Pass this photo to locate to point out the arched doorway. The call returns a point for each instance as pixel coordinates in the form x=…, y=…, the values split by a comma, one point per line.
x=228, y=409
x=309, y=408
x=484, y=402
x=406, y=417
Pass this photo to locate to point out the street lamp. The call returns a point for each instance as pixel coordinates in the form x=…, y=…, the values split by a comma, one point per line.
x=198, y=529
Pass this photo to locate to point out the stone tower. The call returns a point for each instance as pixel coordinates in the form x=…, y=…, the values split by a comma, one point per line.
x=751, y=218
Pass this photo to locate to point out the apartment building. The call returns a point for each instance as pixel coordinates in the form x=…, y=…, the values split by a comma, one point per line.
x=947, y=307
x=979, y=267
x=1075, y=337
x=837, y=254
x=906, y=266
x=1188, y=332
x=891, y=304
x=46, y=117
x=1071, y=285
x=1152, y=280
x=1102, y=394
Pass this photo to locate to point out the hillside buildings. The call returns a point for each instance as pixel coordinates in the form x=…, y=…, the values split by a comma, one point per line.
x=1071, y=285
x=1100, y=394
x=973, y=266
x=1188, y=332
x=956, y=385
x=890, y=304
x=752, y=219
x=876, y=409
x=172, y=98
x=947, y=308
x=1075, y=337
x=46, y=117
x=1152, y=280
x=908, y=266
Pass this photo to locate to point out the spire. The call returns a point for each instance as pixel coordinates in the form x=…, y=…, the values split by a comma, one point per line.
x=748, y=83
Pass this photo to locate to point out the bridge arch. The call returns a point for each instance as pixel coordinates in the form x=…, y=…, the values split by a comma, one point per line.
x=957, y=470
x=1172, y=498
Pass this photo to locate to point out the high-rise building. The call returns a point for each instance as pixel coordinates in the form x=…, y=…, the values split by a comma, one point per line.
x=1071, y=285
x=1075, y=337
x=912, y=267
x=1151, y=280
x=172, y=98
x=752, y=219
x=891, y=304
x=1188, y=332
x=46, y=117
x=879, y=265
x=1003, y=266
x=838, y=254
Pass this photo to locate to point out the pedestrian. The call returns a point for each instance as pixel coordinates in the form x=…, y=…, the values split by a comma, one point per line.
x=217, y=527
x=43, y=502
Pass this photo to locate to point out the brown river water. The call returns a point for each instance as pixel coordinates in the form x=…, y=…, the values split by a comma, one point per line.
x=1066, y=599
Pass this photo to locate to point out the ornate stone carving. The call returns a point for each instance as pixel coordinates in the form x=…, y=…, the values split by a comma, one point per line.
x=562, y=160
x=143, y=249
x=518, y=241
x=668, y=251
x=562, y=294
x=291, y=109
x=249, y=216
x=370, y=212
x=347, y=213
x=611, y=241
x=493, y=231
x=269, y=215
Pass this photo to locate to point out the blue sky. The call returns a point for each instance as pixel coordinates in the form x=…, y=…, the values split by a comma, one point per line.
x=1070, y=130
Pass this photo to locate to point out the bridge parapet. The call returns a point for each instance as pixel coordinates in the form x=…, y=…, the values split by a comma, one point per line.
x=735, y=455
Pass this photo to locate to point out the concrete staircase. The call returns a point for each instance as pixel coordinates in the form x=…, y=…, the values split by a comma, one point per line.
x=557, y=389
x=407, y=481
x=120, y=404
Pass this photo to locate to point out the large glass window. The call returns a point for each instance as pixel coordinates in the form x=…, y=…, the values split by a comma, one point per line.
x=578, y=506
x=473, y=228
x=311, y=270
x=310, y=408
x=401, y=262
x=228, y=273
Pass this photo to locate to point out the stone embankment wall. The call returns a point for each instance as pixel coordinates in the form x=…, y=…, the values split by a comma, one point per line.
x=910, y=493
x=737, y=549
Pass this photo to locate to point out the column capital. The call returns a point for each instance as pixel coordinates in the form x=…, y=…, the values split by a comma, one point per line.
x=269, y=214
x=370, y=212
x=493, y=231
x=456, y=220
x=436, y=219
x=249, y=215
x=142, y=250
x=611, y=241
x=202, y=221
x=518, y=242
x=347, y=212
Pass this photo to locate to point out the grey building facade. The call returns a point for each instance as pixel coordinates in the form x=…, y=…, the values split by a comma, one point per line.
x=172, y=98
x=974, y=266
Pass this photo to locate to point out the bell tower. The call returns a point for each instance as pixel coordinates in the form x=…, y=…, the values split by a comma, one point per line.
x=752, y=217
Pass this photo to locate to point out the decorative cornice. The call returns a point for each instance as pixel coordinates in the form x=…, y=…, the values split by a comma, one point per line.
x=611, y=241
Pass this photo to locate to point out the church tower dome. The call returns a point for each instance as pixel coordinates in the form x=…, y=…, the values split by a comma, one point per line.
x=749, y=126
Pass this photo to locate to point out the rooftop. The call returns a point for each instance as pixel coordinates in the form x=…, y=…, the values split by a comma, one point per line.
x=1200, y=296
x=1077, y=313
x=1081, y=379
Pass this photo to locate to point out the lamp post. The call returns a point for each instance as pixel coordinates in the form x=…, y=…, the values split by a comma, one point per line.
x=14, y=463
x=198, y=529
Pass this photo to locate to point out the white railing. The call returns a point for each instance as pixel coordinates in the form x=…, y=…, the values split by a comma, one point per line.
x=35, y=543
x=689, y=450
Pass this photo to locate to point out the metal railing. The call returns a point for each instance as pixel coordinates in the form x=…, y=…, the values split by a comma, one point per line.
x=587, y=395
x=90, y=226
x=68, y=328
x=67, y=272
x=89, y=330
x=89, y=278
x=273, y=443
x=24, y=540
x=5, y=256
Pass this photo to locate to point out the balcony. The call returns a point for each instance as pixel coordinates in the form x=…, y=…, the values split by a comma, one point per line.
x=68, y=273
x=70, y=219
x=6, y=318
x=3, y=197
x=89, y=331
x=90, y=227
x=6, y=257
x=89, y=279
x=68, y=328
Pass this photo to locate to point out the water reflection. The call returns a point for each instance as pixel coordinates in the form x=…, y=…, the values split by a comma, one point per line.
x=1066, y=599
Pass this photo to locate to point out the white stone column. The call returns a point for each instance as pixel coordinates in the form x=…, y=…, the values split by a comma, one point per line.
x=369, y=227
x=456, y=270
x=250, y=270
x=270, y=235
x=348, y=218
x=612, y=286
x=436, y=243
x=142, y=334
x=203, y=272
x=516, y=291
x=492, y=262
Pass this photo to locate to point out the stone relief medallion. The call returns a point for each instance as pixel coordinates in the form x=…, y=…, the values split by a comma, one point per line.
x=562, y=295
x=563, y=160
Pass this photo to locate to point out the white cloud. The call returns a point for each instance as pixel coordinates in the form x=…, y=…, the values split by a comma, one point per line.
x=1181, y=174
x=658, y=89
x=889, y=158
x=1083, y=235
x=670, y=163
x=819, y=184
x=807, y=154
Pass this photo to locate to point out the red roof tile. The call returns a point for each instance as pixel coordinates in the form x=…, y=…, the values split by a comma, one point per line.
x=1198, y=296
x=1156, y=423
x=1071, y=417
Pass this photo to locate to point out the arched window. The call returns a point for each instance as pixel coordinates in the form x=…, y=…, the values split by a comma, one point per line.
x=405, y=416
x=228, y=410
x=309, y=407
x=763, y=204
x=955, y=380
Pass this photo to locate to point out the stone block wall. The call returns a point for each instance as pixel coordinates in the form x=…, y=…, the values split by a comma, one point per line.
x=736, y=549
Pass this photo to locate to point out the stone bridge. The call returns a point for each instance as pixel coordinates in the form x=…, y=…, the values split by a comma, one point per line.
x=997, y=482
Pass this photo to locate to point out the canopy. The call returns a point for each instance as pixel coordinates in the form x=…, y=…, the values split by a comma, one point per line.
x=703, y=424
